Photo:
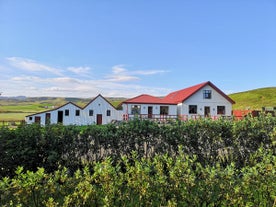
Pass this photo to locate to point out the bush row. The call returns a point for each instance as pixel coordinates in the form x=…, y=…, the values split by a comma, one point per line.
x=161, y=180
x=223, y=141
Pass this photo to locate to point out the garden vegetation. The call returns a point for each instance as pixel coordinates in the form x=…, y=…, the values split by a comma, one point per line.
x=140, y=163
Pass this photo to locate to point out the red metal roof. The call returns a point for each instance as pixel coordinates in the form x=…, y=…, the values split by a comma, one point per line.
x=184, y=94
x=181, y=95
x=176, y=96
x=145, y=98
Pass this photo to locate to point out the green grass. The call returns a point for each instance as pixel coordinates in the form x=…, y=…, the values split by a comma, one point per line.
x=255, y=99
x=12, y=116
x=14, y=109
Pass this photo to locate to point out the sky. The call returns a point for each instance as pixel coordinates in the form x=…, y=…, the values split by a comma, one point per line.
x=124, y=48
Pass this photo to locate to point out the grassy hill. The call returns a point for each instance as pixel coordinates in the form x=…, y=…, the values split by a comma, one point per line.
x=255, y=99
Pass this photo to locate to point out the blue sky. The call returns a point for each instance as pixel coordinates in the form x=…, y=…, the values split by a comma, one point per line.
x=125, y=48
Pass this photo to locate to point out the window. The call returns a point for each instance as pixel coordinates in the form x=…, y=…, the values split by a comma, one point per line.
x=135, y=109
x=192, y=109
x=91, y=112
x=164, y=110
x=108, y=112
x=37, y=119
x=66, y=112
x=30, y=118
x=221, y=110
x=77, y=112
x=207, y=94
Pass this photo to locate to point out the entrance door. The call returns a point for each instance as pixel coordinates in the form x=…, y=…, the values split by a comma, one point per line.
x=150, y=112
x=207, y=111
x=48, y=118
x=60, y=117
x=99, y=119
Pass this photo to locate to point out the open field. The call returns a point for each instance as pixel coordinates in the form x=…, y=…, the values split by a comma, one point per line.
x=16, y=109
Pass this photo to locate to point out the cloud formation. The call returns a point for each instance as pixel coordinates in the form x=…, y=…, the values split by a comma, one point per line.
x=32, y=66
x=79, y=70
x=121, y=74
x=32, y=78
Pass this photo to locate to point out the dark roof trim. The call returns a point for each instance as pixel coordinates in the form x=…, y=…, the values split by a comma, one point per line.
x=54, y=109
x=96, y=98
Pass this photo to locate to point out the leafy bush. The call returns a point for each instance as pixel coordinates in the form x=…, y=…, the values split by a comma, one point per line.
x=223, y=141
x=158, y=181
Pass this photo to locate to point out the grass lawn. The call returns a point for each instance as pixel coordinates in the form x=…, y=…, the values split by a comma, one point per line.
x=12, y=116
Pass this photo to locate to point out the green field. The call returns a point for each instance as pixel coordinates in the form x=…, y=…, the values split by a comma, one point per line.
x=255, y=99
x=17, y=109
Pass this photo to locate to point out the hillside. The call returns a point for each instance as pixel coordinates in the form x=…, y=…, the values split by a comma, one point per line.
x=255, y=99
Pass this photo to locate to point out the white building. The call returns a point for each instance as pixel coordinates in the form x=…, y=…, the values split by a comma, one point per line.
x=149, y=107
x=201, y=100
x=97, y=111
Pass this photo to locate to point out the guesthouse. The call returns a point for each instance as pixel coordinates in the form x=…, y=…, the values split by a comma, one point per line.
x=201, y=100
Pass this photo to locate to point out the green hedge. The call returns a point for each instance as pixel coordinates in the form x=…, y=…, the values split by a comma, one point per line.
x=140, y=163
x=223, y=141
x=157, y=181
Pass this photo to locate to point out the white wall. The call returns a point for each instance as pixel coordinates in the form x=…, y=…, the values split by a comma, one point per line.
x=197, y=99
x=155, y=109
x=67, y=120
x=99, y=106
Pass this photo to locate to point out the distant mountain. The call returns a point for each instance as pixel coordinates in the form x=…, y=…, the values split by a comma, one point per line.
x=13, y=97
x=252, y=99
x=255, y=99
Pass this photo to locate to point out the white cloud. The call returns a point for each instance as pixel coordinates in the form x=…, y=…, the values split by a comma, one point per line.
x=118, y=69
x=32, y=65
x=79, y=70
x=121, y=74
x=63, y=80
x=27, y=77
x=149, y=72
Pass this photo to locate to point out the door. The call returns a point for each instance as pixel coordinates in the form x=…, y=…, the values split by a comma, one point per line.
x=207, y=111
x=60, y=117
x=99, y=119
x=150, y=112
x=48, y=118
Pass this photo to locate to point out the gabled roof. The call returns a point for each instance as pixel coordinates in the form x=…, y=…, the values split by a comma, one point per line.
x=146, y=99
x=95, y=99
x=54, y=109
x=175, y=97
x=72, y=104
x=182, y=95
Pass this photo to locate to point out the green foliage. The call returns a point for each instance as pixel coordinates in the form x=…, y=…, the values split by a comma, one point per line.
x=140, y=163
x=223, y=141
x=159, y=181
